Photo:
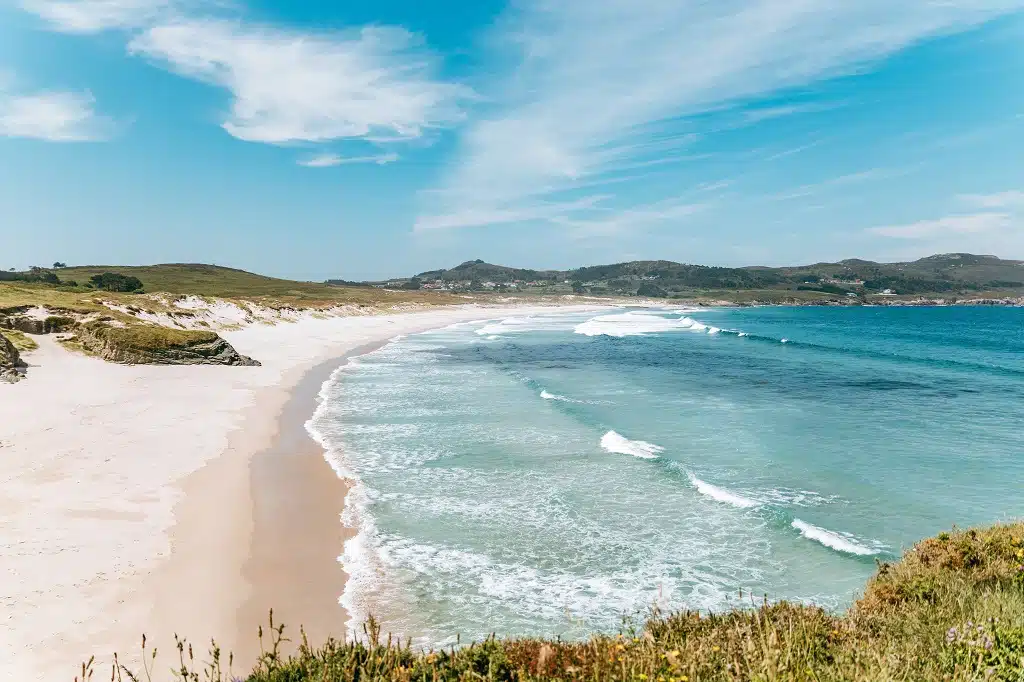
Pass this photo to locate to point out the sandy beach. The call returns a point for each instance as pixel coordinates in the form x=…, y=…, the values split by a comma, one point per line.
x=175, y=499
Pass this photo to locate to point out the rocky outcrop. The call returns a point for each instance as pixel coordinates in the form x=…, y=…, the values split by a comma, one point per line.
x=10, y=361
x=155, y=345
x=20, y=318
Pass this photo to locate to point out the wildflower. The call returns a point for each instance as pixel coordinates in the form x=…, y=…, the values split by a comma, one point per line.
x=674, y=652
x=716, y=649
x=619, y=647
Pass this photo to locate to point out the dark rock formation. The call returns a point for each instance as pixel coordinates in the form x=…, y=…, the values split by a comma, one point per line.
x=10, y=361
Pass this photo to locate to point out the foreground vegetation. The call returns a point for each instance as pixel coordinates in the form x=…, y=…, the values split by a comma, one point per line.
x=951, y=609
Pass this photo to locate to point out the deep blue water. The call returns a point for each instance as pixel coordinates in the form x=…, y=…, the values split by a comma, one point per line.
x=550, y=475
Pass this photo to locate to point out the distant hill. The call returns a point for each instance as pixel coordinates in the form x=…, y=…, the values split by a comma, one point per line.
x=950, y=274
x=73, y=285
x=481, y=271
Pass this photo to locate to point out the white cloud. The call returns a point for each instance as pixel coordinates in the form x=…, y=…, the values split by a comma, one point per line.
x=492, y=215
x=93, y=16
x=753, y=116
x=870, y=175
x=950, y=225
x=328, y=160
x=291, y=86
x=52, y=116
x=633, y=218
x=1008, y=199
x=595, y=80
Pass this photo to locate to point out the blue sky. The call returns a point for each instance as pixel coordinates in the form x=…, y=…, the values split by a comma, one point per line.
x=365, y=140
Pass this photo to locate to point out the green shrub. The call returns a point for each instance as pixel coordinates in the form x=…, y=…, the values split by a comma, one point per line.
x=110, y=281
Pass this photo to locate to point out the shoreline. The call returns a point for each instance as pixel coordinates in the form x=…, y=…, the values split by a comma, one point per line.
x=294, y=486
x=133, y=495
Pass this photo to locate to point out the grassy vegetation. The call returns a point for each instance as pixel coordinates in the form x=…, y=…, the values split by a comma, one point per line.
x=208, y=281
x=951, y=609
x=147, y=338
x=219, y=282
x=22, y=342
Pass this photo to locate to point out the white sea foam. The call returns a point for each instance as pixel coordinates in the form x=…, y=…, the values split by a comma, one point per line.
x=554, y=396
x=521, y=325
x=614, y=442
x=837, y=541
x=713, y=330
x=741, y=334
x=721, y=494
x=636, y=323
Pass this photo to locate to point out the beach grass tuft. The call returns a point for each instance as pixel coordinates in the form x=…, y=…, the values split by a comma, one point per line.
x=951, y=609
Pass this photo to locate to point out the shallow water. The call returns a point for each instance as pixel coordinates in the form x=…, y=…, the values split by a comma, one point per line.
x=552, y=475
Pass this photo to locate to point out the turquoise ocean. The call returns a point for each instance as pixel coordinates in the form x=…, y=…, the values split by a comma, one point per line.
x=558, y=473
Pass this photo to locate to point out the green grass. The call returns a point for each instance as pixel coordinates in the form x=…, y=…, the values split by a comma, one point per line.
x=951, y=609
x=148, y=338
x=208, y=281
x=21, y=341
x=220, y=282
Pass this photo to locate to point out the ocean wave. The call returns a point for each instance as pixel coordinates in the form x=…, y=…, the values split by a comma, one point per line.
x=554, y=396
x=841, y=542
x=792, y=497
x=614, y=442
x=635, y=323
x=520, y=325
x=721, y=494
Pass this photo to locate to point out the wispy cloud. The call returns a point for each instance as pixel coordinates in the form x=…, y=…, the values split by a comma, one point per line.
x=93, y=16
x=757, y=115
x=1008, y=199
x=869, y=175
x=631, y=219
x=54, y=116
x=328, y=160
x=292, y=86
x=492, y=215
x=950, y=225
x=595, y=79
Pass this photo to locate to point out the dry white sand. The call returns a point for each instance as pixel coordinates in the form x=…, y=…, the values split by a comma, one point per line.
x=101, y=463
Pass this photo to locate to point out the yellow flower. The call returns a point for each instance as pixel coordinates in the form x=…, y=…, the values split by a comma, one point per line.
x=619, y=647
x=674, y=652
x=716, y=649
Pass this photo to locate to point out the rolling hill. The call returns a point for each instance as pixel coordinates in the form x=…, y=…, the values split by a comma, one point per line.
x=945, y=274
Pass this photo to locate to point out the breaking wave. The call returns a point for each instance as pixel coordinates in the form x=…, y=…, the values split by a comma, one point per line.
x=840, y=542
x=636, y=323
x=619, y=444
x=554, y=396
x=721, y=494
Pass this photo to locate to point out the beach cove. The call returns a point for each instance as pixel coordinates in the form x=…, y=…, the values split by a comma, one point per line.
x=176, y=499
